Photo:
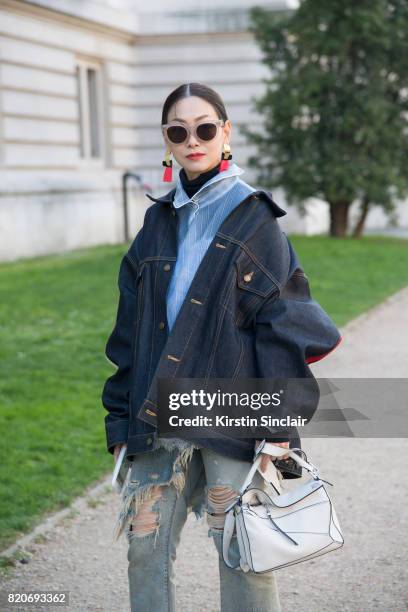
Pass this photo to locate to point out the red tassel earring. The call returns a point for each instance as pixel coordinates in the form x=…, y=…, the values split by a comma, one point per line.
x=225, y=157
x=168, y=167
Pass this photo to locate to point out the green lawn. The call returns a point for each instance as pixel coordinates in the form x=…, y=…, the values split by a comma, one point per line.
x=56, y=314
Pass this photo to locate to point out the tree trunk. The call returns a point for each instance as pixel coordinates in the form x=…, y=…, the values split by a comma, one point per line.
x=358, y=230
x=339, y=218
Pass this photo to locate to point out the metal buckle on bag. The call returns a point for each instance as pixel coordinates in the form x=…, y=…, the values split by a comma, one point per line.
x=314, y=471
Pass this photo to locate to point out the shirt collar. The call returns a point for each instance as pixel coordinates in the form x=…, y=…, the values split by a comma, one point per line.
x=181, y=198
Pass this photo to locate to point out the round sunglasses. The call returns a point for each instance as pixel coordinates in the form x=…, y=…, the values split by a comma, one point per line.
x=205, y=131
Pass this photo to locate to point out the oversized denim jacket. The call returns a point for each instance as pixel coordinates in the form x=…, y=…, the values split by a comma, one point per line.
x=227, y=327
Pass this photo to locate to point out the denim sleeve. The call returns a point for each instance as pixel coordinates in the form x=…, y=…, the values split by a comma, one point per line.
x=292, y=331
x=119, y=347
x=118, y=350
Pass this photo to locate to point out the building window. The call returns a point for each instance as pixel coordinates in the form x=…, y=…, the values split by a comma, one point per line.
x=91, y=109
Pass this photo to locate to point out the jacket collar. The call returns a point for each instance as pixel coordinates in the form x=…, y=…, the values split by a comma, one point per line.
x=181, y=198
x=168, y=199
x=178, y=197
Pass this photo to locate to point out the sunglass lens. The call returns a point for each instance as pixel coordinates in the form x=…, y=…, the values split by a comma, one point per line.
x=176, y=133
x=206, y=131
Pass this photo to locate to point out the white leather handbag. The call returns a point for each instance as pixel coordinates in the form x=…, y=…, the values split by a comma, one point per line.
x=279, y=531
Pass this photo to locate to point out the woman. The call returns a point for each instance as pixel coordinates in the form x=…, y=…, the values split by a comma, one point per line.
x=237, y=304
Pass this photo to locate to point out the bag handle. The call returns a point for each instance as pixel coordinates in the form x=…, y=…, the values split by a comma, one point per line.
x=277, y=451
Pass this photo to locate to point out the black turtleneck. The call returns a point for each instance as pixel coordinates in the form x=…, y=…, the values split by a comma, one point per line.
x=191, y=187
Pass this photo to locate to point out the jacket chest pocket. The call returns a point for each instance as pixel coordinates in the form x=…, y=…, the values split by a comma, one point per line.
x=253, y=284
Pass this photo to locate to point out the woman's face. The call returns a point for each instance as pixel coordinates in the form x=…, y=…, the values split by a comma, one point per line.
x=189, y=112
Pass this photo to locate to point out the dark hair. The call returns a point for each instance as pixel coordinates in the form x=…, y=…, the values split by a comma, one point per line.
x=194, y=89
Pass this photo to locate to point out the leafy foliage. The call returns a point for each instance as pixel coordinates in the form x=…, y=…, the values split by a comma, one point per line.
x=335, y=105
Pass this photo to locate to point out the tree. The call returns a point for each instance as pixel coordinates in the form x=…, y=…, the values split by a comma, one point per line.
x=335, y=107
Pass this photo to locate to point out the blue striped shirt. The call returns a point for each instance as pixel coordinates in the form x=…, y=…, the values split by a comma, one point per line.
x=199, y=219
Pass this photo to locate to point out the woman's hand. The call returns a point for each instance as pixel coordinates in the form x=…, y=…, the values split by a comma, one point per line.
x=266, y=458
x=116, y=451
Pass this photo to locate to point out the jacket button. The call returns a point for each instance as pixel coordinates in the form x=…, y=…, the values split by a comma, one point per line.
x=162, y=325
x=173, y=212
x=149, y=440
x=247, y=277
x=166, y=267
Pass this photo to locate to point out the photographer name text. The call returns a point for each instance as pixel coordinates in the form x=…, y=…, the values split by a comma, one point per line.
x=244, y=421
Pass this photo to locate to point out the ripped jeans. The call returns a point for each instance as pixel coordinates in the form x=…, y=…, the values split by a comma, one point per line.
x=164, y=486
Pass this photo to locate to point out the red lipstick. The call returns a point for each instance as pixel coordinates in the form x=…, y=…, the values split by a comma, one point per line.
x=195, y=155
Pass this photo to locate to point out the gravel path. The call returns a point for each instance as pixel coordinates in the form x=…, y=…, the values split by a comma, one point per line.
x=73, y=551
